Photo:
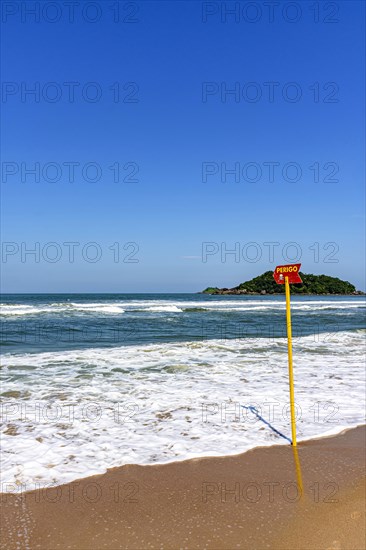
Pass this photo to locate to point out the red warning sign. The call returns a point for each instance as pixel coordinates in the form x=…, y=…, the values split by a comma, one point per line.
x=291, y=271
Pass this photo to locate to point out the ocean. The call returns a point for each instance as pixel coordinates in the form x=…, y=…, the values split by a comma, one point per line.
x=94, y=381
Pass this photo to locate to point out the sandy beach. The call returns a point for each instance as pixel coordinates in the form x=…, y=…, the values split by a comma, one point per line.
x=250, y=500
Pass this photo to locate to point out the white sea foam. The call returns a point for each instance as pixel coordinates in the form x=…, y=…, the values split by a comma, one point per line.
x=67, y=307
x=168, y=309
x=98, y=308
x=6, y=309
x=72, y=414
x=179, y=306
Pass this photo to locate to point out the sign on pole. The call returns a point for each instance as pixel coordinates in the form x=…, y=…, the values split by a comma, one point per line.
x=287, y=274
x=291, y=271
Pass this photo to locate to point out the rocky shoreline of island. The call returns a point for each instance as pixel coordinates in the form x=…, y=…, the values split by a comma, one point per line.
x=234, y=291
x=312, y=285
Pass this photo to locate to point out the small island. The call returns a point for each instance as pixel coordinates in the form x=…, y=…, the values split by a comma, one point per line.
x=312, y=284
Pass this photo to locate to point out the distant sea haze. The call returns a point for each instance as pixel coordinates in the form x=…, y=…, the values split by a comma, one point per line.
x=91, y=381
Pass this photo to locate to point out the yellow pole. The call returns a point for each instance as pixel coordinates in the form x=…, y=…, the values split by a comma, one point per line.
x=290, y=370
x=298, y=470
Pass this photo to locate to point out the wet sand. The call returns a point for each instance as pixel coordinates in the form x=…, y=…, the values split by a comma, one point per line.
x=248, y=501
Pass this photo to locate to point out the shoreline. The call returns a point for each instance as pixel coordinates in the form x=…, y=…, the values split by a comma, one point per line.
x=247, y=500
x=18, y=487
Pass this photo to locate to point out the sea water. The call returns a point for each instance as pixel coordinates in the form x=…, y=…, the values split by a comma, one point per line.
x=90, y=382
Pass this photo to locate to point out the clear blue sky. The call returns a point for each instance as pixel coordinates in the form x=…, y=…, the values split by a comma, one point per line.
x=177, y=124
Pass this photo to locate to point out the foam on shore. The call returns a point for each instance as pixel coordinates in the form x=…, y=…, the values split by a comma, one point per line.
x=75, y=413
x=273, y=497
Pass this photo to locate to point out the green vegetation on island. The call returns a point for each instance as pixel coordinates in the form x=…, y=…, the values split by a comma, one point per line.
x=312, y=284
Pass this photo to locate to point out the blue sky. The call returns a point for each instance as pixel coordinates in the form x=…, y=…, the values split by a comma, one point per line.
x=175, y=130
